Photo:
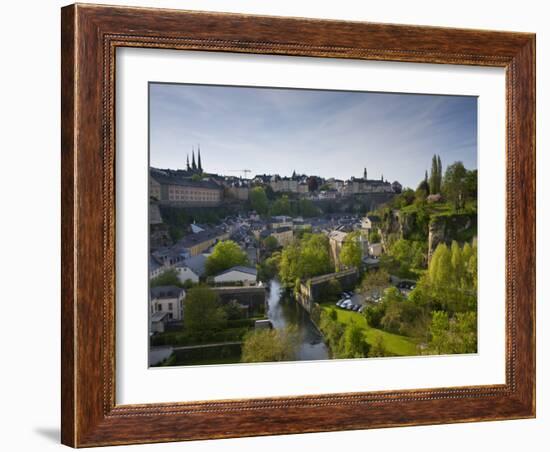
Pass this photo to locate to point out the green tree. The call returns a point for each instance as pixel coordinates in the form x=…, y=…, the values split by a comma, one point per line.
x=281, y=206
x=423, y=189
x=378, y=348
x=269, y=267
x=270, y=345
x=202, y=310
x=404, y=257
x=351, y=253
x=332, y=329
x=226, y=254
x=392, y=300
x=258, y=200
x=306, y=208
x=271, y=243
x=435, y=175
x=374, y=236
x=353, y=343
x=167, y=278
x=454, y=184
x=453, y=335
x=374, y=282
x=304, y=259
x=332, y=291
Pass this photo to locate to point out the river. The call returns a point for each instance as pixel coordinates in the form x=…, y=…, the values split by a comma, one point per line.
x=283, y=311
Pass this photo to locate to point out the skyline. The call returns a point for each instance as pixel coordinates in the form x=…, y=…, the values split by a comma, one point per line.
x=388, y=133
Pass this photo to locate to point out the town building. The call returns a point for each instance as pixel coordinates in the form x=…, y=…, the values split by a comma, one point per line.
x=284, y=184
x=284, y=235
x=245, y=276
x=375, y=249
x=336, y=241
x=180, y=187
x=186, y=273
x=195, y=244
x=370, y=222
x=167, y=299
x=155, y=267
x=197, y=264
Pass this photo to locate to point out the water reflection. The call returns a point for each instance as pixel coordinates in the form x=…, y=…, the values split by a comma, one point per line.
x=283, y=311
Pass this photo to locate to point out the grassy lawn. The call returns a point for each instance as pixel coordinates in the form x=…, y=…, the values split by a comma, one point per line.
x=394, y=343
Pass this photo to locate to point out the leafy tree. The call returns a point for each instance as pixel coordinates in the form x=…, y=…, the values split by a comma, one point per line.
x=258, y=200
x=455, y=335
x=269, y=267
x=332, y=291
x=352, y=343
x=306, y=208
x=167, y=278
x=332, y=329
x=374, y=314
x=196, y=177
x=281, y=206
x=270, y=345
x=450, y=284
x=404, y=257
x=470, y=185
x=392, y=316
x=423, y=189
x=454, y=184
x=374, y=282
x=226, y=254
x=202, y=310
x=233, y=310
x=435, y=175
x=378, y=349
x=271, y=243
x=374, y=236
x=304, y=259
x=351, y=253
x=406, y=198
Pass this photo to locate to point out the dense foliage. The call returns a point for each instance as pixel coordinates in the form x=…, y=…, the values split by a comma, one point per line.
x=304, y=259
x=344, y=341
x=270, y=345
x=441, y=309
x=203, y=311
x=226, y=254
x=258, y=200
x=167, y=278
x=351, y=252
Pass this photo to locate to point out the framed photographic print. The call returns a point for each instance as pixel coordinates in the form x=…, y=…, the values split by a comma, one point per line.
x=280, y=225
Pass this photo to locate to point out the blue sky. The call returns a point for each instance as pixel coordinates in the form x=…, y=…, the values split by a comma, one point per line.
x=324, y=133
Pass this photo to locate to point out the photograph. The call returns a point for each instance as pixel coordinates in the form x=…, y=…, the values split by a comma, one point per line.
x=302, y=224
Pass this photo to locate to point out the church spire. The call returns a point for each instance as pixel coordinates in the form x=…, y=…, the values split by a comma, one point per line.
x=365, y=174
x=188, y=168
x=193, y=164
x=200, y=164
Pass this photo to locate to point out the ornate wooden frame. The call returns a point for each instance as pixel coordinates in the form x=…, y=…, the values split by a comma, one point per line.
x=90, y=35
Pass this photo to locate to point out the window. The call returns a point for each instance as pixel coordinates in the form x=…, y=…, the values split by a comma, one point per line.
x=170, y=307
x=159, y=307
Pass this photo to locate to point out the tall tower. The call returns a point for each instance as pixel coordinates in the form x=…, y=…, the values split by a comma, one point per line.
x=200, y=164
x=188, y=168
x=365, y=174
x=193, y=164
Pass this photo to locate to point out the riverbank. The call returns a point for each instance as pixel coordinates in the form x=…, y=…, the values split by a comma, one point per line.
x=394, y=344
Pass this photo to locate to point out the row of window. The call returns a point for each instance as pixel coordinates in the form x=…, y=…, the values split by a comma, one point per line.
x=170, y=307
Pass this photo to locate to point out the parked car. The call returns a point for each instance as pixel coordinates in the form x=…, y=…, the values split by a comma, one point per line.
x=356, y=307
x=339, y=302
x=346, y=304
x=345, y=295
